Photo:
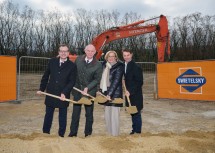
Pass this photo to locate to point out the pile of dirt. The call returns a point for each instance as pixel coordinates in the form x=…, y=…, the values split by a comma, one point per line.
x=168, y=127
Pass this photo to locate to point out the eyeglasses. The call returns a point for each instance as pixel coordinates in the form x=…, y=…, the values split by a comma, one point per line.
x=63, y=51
x=111, y=56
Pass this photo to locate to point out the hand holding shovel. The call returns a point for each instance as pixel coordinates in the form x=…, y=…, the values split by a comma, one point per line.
x=97, y=99
x=84, y=100
x=104, y=98
x=58, y=97
x=101, y=98
x=130, y=109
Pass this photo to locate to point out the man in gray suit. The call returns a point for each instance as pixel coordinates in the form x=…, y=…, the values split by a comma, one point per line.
x=87, y=80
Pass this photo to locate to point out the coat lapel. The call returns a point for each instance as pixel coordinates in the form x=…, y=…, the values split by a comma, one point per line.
x=64, y=64
x=128, y=70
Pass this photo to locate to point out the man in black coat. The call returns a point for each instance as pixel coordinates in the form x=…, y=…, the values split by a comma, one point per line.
x=58, y=79
x=134, y=82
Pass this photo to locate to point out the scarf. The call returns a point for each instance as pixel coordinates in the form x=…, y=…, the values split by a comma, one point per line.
x=105, y=82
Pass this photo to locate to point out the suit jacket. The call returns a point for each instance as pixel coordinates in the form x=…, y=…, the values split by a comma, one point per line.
x=58, y=79
x=134, y=82
x=88, y=75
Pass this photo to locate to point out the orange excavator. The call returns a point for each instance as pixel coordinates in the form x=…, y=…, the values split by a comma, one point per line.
x=134, y=29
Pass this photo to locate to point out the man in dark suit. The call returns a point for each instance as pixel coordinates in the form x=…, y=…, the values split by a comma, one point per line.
x=58, y=79
x=134, y=82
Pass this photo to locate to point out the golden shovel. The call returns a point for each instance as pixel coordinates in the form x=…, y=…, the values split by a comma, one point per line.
x=104, y=98
x=97, y=99
x=84, y=100
x=130, y=109
x=58, y=97
x=100, y=99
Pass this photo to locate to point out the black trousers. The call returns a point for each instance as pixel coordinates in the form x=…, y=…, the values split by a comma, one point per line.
x=62, y=117
x=76, y=118
x=136, y=122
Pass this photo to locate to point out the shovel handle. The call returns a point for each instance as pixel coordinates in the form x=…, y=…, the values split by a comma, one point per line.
x=103, y=95
x=82, y=91
x=58, y=97
x=129, y=102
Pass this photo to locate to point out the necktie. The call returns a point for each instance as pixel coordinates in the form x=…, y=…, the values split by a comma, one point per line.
x=125, y=67
x=61, y=63
x=87, y=61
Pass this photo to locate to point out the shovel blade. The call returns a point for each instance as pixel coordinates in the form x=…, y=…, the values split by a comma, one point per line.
x=100, y=99
x=85, y=101
x=131, y=109
x=118, y=101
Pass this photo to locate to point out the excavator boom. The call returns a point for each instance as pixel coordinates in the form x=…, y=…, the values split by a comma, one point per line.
x=134, y=29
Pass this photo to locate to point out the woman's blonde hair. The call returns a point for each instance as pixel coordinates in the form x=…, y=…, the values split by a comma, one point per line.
x=111, y=51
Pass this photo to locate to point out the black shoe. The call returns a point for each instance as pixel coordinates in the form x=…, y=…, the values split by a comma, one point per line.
x=61, y=135
x=72, y=135
x=86, y=135
x=132, y=132
x=46, y=132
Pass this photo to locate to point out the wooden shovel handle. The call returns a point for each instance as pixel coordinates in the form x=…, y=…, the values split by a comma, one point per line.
x=58, y=97
x=82, y=91
x=129, y=102
x=103, y=95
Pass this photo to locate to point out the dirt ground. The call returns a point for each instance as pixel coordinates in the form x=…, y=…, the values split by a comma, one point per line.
x=169, y=126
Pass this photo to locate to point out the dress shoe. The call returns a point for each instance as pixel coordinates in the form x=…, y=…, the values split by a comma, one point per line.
x=86, y=135
x=72, y=135
x=61, y=136
x=132, y=132
x=46, y=132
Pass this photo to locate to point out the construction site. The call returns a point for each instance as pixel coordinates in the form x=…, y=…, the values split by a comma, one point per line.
x=178, y=114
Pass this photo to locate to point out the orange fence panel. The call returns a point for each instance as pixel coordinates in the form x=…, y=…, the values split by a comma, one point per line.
x=187, y=80
x=7, y=78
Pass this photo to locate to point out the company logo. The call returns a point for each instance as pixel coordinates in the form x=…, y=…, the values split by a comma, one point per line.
x=117, y=34
x=137, y=31
x=191, y=80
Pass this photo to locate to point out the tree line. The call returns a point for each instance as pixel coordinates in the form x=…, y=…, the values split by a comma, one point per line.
x=26, y=32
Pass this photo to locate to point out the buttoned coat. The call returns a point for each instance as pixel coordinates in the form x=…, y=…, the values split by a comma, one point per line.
x=58, y=79
x=134, y=82
x=88, y=75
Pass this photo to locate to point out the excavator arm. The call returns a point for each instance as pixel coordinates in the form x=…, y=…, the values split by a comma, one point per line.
x=134, y=29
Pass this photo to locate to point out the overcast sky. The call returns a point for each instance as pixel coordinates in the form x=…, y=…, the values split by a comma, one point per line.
x=147, y=8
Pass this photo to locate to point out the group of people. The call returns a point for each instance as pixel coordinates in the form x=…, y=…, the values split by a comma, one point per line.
x=90, y=76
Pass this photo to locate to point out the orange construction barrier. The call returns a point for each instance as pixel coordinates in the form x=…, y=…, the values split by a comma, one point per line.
x=186, y=80
x=7, y=78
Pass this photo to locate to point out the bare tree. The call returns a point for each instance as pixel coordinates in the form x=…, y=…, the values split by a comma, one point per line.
x=27, y=32
x=8, y=26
